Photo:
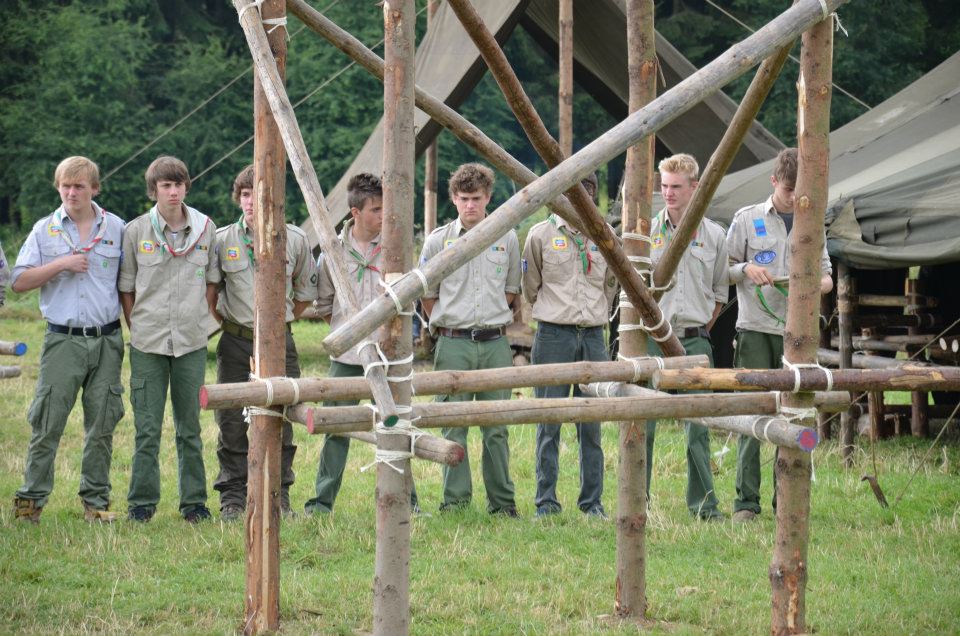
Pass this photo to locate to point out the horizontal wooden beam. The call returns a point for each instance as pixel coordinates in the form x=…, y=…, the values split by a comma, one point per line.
x=288, y=391
x=919, y=321
x=9, y=372
x=878, y=300
x=429, y=447
x=905, y=378
x=340, y=419
x=828, y=357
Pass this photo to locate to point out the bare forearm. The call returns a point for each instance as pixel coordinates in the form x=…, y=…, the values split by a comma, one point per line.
x=718, y=307
x=299, y=306
x=126, y=304
x=35, y=277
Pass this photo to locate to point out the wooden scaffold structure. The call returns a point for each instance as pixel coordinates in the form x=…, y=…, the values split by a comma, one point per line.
x=781, y=409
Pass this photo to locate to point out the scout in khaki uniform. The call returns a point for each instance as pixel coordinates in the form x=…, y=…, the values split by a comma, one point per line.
x=691, y=305
x=234, y=249
x=571, y=290
x=469, y=311
x=758, y=243
x=73, y=256
x=360, y=238
x=168, y=286
x=4, y=276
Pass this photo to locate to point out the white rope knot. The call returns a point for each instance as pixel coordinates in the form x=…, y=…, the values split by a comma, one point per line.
x=795, y=367
x=638, y=370
x=382, y=362
x=275, y=23
x=766, y=427
x=635, y=236
x=402, y=427
x=396, y=299
x=423, y=279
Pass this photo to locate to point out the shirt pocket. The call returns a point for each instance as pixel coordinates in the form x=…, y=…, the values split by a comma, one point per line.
x=704, y=262
x=558, y=265
x=105, y=261
x=194, y=270
x=52, y=250
x=495, y=263
x=232, y=266
x=598, y=266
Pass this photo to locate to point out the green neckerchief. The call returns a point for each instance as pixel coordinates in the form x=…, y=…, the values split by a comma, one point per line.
x=365, y=263
x=780, y=287
x=665, y=224
x=247, y=241
x=581, y=246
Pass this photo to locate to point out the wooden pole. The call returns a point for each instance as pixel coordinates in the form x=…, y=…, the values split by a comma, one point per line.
x=771, y=428
x=287, y=390
x=788, y=568
x=592, y=223
x=717, y=167
x=878, y=426
x=919, y=419
x=846, y=309
x=272, y=83
x=429, y=447
x=430, y=160
x=262, y=598
x=9, y=372
x=343, y=419
x=565, y=96
x=921, y=321
x=644, y=122
x=860, y=361
x=911, y=300
x=630, y=600
x=12, y=348
x=391, y=581
x=905, y=378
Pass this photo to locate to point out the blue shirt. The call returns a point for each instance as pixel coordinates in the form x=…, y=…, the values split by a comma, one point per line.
x=77, y=300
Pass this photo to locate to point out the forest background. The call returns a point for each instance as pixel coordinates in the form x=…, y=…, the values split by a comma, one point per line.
x=122, y=81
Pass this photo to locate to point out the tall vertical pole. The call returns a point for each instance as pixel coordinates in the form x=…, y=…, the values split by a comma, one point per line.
x=919, y=413
x=430, y=163
x=391, y=583
x=631, y=592
x=788, y=569
x=262, y=599
x=565, y=105
x=846, y=309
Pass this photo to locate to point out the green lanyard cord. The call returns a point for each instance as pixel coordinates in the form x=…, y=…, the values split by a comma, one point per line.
x=585, y=259
x=780, y=287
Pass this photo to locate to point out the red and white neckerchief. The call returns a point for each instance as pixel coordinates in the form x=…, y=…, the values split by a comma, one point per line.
x=192, y=221
x=56, y=227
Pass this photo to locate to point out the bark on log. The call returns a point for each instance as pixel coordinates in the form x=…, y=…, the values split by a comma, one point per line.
x=240, y=394
x=430, y=158
x=565, y=90
x=646, y=121
x=428, y=447
x=788, y=568
x=344, y=419
x=10, y=372
x=846, y=310
x=832, y=358
x=12, y=348
x=546, y=146
x=921, y=321
x=905, y=378
x=919, y=419
x=391, y=581
x=717, y=167
x=272, y=83
x=262, y=597
x=879, y=300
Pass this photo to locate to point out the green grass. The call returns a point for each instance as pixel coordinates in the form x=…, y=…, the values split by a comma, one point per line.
x=871, y=571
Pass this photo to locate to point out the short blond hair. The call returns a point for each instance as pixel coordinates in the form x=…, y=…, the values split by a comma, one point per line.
x=77, y=168
x=681, y=164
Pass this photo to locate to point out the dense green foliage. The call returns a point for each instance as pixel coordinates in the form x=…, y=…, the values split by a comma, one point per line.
x=125, y=80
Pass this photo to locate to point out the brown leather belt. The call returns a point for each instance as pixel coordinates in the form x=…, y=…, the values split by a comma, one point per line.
x=477, y=335
x=238, y=330
x=695, y=332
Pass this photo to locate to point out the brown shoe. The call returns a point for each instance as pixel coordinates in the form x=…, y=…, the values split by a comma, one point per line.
x=744, y=516
x=26, y=510
x=97, y=515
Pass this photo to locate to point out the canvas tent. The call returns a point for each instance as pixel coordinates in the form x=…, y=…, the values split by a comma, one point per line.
x=894, y=179
x=448, y=66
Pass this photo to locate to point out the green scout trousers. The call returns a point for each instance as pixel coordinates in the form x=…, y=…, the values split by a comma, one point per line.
x=233, y=365
x=463, y=354
x=755, y=350
x=333, y=456
x=150, y=374
x=67, y=364
x=701, y=496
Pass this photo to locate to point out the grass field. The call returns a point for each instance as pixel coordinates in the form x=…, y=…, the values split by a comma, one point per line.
x=872, y=571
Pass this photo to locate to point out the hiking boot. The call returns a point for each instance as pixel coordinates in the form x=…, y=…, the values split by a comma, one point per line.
x=744, y=516
x=712, y=517
x=140, y=514
x=26, y=510
x=197, y=514
x=597, y=512
x=98, y=515
x=285, y=510
x=546, y=511
x=231, y=512
x=507, y=511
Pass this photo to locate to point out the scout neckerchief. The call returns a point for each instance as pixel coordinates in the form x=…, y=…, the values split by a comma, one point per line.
x=194, y=219
x=780, y=287
x=56, y=227
x=664, y=224
x=365, y=263
x=581, y=247
x=247, y=241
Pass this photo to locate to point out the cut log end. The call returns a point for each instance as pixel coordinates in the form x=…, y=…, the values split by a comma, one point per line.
x=204, y=397
x=309, y=422
x=808, y=439
x=20, y=349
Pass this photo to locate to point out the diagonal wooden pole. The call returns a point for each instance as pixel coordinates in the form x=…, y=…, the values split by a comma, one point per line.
x=646, y=121
x=547, y=147
x=717, y=167
x=565, y=88
x=262, y=598
x=788, y=568
x=391, y=581
x=430, y=157
x=272, y=83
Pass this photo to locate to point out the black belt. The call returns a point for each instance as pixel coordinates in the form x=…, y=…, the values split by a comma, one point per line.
x=695, y=332
x=572, y=327
x=477, y=335
x=239, y=330
x=89, y=332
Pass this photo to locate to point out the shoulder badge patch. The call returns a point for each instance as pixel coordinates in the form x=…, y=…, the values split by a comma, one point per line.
x=233, y=254
x=147, y=247
x=759, y=227
x=448, y=243
x=765, y=257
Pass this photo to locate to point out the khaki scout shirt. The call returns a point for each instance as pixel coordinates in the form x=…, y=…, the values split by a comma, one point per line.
x=565, y=278
x=363, y=275
x=4, y=275
x=237, y=265
x=701, y=277
x=473, y=297
x=170, y=308
x=758, y=235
